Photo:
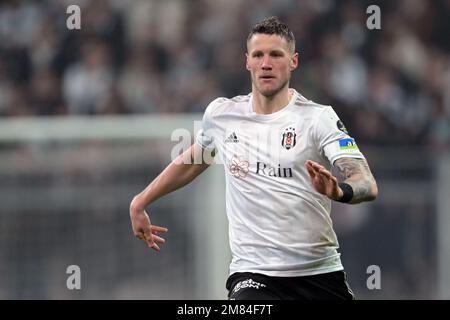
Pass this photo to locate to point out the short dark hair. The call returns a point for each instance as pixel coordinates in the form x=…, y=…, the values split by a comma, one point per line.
x=273, y=25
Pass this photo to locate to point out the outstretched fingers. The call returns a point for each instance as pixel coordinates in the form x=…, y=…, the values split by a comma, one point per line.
x=316, y=170
x=155, y=247
x=328, y=177
x=325, y=173
x=150, y=237
x=310, y=169
x=158, y=239
x=157, y=229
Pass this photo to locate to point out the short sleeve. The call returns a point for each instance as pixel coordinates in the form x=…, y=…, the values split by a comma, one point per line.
x=205, y=137
x=332, y=138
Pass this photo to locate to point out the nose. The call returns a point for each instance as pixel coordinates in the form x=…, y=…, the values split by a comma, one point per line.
x=266, y=63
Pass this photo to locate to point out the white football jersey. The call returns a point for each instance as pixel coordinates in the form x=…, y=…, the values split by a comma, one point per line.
x=278, y=224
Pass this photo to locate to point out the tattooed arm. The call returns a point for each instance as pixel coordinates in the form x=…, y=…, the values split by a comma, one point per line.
x=355, y=172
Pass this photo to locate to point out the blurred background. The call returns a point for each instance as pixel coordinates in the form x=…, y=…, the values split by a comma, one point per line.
x=86, y=122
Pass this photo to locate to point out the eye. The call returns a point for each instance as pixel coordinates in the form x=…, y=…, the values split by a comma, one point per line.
x=257, y=54
x=276, y=54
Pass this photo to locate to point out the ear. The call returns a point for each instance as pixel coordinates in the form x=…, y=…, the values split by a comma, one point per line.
x=294, y=61
x=246, y=62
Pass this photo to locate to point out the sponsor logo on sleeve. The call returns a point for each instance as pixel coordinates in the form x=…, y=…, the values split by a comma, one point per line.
x=348, y=144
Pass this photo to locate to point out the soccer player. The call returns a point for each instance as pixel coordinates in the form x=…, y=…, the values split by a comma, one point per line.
x=277, y=148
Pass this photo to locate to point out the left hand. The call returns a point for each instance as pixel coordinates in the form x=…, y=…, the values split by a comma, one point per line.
x=323, y=181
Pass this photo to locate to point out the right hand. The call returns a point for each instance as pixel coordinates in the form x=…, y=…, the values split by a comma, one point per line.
x=144, y=230
x=323, y=181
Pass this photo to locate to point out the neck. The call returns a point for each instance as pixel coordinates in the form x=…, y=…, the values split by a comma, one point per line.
x=272, y=104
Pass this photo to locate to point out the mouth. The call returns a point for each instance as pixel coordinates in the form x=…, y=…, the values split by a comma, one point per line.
x=266, y=78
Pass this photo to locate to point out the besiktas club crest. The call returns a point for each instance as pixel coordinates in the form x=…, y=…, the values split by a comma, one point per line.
x=289, y=138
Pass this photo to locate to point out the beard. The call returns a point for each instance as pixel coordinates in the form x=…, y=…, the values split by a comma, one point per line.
x=270, y=92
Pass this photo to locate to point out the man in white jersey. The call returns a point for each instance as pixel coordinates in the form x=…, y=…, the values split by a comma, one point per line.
x=277, y=148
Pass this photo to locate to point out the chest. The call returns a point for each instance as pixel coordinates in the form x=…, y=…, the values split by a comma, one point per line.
x=266, y=149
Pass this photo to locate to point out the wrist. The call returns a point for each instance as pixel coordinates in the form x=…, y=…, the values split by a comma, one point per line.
x=137, y=205
x=339, y=194
x=347, y=192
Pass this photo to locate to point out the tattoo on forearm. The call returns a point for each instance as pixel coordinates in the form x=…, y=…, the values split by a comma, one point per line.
x=356, y=172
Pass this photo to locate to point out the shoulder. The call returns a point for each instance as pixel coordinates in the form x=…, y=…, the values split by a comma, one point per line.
x=310, y=109
x=321, y=116
x=306, y=104
x=223, y=105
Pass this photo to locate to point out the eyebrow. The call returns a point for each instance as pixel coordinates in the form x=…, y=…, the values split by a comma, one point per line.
x=276, y=51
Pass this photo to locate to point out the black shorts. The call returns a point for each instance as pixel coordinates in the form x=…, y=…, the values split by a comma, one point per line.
x=255, y=286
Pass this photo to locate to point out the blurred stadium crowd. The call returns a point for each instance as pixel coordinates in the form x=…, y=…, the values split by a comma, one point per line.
x=391, y=86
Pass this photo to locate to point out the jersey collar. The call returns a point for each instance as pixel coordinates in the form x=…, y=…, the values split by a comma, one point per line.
x=271, y=116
